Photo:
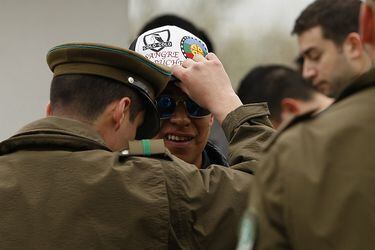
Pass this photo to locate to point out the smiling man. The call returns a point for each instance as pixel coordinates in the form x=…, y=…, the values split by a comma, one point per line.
x=184, y=125
x=330, y=44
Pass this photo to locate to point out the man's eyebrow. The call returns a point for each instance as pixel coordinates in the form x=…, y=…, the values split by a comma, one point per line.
x=307, y=51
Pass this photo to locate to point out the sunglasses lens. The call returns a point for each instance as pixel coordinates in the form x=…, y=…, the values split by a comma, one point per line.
x=166, y=106
x=195, y=110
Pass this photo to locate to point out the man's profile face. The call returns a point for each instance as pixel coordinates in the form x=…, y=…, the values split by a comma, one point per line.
x=183, y=135
x=325, y=63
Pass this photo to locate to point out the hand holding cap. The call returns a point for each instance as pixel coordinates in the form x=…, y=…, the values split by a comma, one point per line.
x=204, y=79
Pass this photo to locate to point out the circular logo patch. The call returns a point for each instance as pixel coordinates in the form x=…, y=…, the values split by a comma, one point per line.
x=191, y=46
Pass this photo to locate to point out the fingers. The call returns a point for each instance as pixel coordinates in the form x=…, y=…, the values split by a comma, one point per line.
x=211, y=56
x=199, y=58
x=184, y=70
x=178, y=71
x=187, y=63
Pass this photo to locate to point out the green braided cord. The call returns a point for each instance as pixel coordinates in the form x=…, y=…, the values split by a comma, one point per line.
x=146, y=147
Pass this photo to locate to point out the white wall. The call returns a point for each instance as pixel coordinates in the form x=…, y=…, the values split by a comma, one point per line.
x=28, y=29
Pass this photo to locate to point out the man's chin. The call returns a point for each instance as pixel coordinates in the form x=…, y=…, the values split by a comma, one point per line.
x=323, y=88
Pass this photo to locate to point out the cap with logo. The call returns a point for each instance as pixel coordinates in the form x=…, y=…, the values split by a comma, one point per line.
x=123, y=65
x=169, y=45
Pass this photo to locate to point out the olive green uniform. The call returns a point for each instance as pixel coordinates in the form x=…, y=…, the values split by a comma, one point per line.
x=62, y=188
x=315, y=188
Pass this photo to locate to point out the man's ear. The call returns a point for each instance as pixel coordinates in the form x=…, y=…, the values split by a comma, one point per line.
x=120, y=111
x=366, y=27
x=211, y=120
x=353, y=45
x=49, y=109
x=290, y=106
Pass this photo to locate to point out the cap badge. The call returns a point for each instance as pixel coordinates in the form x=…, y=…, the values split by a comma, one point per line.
x=157, y=41
x=191, y=46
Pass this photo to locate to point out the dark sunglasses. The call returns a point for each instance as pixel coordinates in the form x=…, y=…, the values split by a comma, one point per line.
x=166, y=106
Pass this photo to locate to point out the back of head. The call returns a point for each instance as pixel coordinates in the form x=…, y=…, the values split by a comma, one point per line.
x=88, y=77
x=84, y=97
x=337, y=18
x=272, y=84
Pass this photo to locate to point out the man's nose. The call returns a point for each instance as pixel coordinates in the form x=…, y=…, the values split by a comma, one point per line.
x=180, y=116
x=309, y=72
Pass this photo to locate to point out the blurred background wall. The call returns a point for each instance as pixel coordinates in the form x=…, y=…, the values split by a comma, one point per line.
x=245, y=33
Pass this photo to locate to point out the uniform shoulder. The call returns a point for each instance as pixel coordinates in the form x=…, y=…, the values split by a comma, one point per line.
x=146, y=148
x=298, y=119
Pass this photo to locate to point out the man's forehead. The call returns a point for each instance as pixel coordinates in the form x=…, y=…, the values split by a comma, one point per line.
x=310, y=36
x=173, y=89
x=311, y=39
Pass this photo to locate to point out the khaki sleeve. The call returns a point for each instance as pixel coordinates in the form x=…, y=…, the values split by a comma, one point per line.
x=268, y=205
x=205, y=205
x=247, y=128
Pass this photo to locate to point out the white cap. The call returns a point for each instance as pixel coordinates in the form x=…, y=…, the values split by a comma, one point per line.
x=169, y=45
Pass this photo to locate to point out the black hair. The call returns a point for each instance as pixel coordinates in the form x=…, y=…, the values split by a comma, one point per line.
x=271, y=84
x=87, y=96
x=337, y=18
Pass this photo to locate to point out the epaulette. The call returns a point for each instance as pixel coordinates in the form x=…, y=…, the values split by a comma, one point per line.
x=288, y=124
x=145, y=148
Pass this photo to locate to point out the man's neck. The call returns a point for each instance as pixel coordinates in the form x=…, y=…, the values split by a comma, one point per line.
x=199, y=161
x=323, y=102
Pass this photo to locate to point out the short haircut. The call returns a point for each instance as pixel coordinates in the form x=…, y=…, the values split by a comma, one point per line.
x=272, y=84
x=87, y=96
x=169, y=19
x=337, y=18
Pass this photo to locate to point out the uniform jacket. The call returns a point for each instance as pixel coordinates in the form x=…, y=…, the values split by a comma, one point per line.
x=62, y=188
x=315, y=189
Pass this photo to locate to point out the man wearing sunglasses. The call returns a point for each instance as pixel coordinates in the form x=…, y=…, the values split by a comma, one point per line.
x=184, y=125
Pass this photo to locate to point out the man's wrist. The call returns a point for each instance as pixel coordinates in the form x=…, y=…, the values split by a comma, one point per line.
x=244, y=114
x=228, y=105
